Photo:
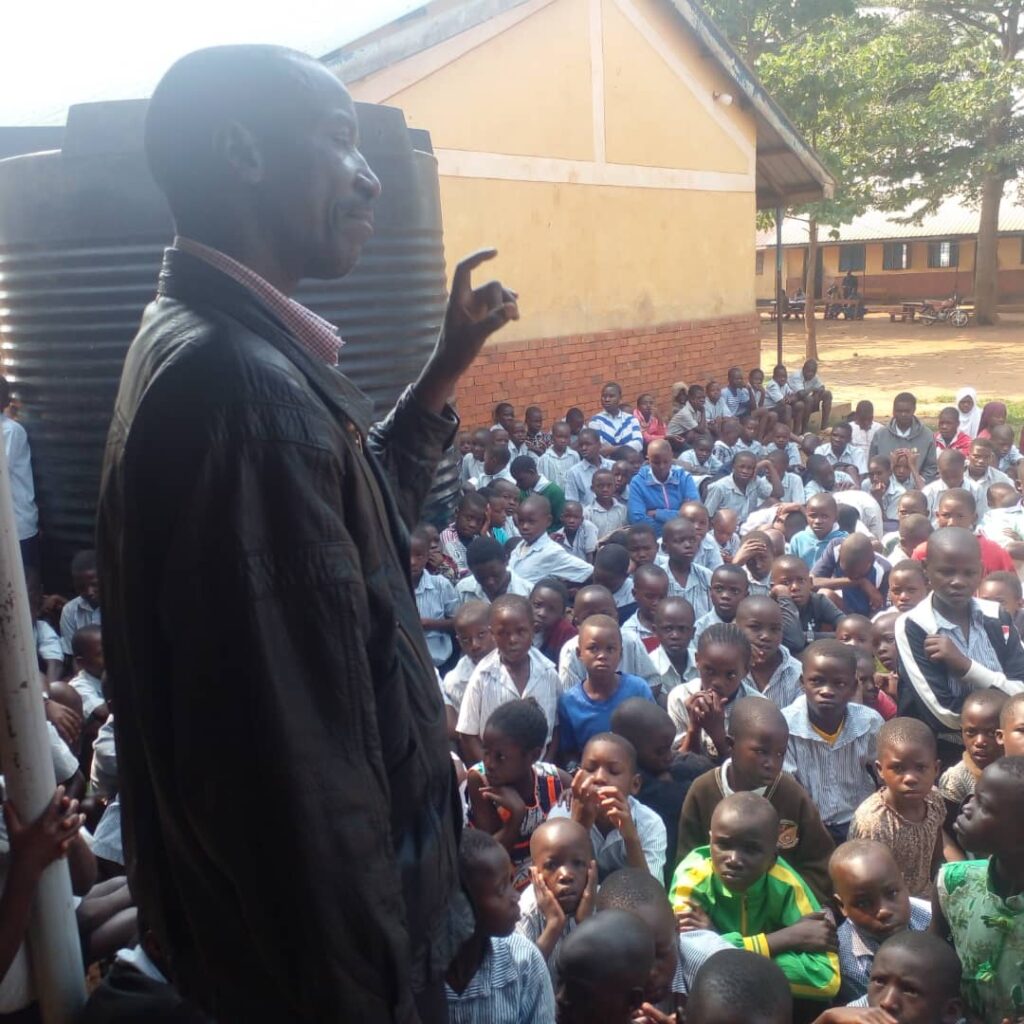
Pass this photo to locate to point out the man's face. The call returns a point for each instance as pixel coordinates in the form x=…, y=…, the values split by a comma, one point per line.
x=316, y=190
x=610, y=399
x=841, y=437
x=903, y=414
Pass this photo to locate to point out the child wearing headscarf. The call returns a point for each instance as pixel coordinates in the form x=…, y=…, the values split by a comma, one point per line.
x=992, y=415
x=970, y=414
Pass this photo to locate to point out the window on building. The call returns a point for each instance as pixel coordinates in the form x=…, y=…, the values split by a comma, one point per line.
x=851, y=257
x=943, y=254
x=759, y=263
x=896, y=256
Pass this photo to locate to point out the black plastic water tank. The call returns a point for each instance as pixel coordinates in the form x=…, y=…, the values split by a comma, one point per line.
x=82, y=230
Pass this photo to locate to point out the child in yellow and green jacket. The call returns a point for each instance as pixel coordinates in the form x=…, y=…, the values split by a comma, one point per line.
x=740, y=888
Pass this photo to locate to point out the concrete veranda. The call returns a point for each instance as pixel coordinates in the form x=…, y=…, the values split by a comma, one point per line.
x=875, y=359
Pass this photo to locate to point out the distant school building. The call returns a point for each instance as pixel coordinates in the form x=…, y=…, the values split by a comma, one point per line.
x=615, y=153
x=894, y=261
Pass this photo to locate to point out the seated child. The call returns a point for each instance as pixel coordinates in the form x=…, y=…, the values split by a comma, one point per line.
x=511, y=791
x=470, y=517
x=84, y=609
x=1005, y=589
x=759, y=736
x=1008, y=453
x=831, y=739
x=791, y=580
x=935, y=673
x=872, y=893
x=700, y=460
x=739, y=987
x=811, y=542
x=729, y=586
x=496, y=975
x=949, y=434
x=673, y=624
x=436, y=600
x=701, y=708
x=724, y=524
x=603, y=968
x=869, y=694
x=708, y=554
x=473, y=631
x=87, y=648
x=586, y=709
x=855, y=630
x=908, y=587
x=852, y=568
x=537, y=439
x=524, y=471
x=556, y=462
x=623, y=832
x=579, y=534
x=607, y=511
x=725, y=447
x=1004, y=520
x=979, y=727
x=489, y=576
x=685, y=579
x=502, y=503
x=650, y=588
x=665, y=774
x=551, y=629
x=623, y=471
x=978, y=902
x=913, y=530
x=774, y=672
x=611, y=570
x=642, y=544
x=537, y=555
x=755, y=900
x=744, y=489
x=564, y=877
x=911, y=502
x=957, y=507
x=514, y=670
x=577, y=482
x=792, y=483
x=1011, y=726
x=635, y=661
x=907, y=814
x=782, y=441
x=884, y=488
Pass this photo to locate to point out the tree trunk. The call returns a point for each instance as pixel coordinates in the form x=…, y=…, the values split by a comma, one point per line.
x=986, y=263
x=810, y=288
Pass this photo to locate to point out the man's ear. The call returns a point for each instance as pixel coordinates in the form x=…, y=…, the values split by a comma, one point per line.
x=238, y=150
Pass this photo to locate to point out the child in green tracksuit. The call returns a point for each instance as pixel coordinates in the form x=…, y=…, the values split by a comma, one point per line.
x=739, y=887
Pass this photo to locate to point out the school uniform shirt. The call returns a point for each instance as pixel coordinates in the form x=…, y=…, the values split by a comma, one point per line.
x=532, y=562
x=646, y=636
x=468, y=589
x=668, y=675
x=791, y=449
x=799, y=384
x=453, y=686
x=758, y=587
x=890, y=499
x=453, y=547
x=579, y=479
x=76, y=614
x=1010, y=459
x=861, y=439
x=716, y=410
x=436, y=599
x=998, y=520
x=490, y=686
x=695, y=949
x=680, y=716
x=870, y=521
x=811, y=488
x=688, y=461
x=738, y=402
x=19, y=471
x=522, y=449
x=610, y=850
x=48, y=646
x=834, y=773
x=697, y=590
x=937, y=488
x=90, y=689
x=857, y=949
x=512, y=986
x=775, y=393
x=709, y=554
x=711, y=618
x=556, y=467
x=784, y=684
x=103, y=770
x=684, y=419
x=793, y=492
x=531, y=926
x=726, y=493
x=584, y=543
x=807, y=546
x=754, y=447
x=988, y=934
x=854, y=598
x=724, y=454
x=618, y=429
x=927, y=690
x=580, y=716
x=471, y=467
x=992, y=476
x=848, y=456
x=607, y=520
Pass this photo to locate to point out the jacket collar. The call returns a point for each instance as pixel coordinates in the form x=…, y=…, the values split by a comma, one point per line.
x=192, y=280
x=924, y=614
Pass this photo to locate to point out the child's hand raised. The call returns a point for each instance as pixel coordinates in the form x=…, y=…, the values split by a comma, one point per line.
x=36, y=846
x=584, y=799
x=554, y=915
x=506, y=797
x=586, y=907
x=615, y=807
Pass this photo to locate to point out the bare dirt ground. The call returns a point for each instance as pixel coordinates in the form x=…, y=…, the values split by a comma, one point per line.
x=875, y=359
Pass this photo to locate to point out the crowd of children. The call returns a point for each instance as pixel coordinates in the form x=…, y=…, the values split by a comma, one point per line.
x=737, y=712
x=739, y=709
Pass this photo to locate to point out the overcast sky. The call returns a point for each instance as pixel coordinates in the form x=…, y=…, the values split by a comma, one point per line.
x=54, y=53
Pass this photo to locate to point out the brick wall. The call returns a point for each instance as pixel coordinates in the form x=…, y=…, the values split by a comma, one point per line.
x=558, y=373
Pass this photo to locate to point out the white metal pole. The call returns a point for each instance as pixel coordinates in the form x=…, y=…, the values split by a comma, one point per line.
x=54, y=950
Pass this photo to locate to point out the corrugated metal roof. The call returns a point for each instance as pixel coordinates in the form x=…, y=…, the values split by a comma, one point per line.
x=788, y=170
x=951, y=220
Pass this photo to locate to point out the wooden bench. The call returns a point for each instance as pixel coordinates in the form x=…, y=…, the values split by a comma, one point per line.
x=907, y=311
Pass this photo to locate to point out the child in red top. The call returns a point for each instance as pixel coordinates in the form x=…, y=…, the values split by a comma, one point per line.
x=949, y=434
x=651, y=427
x=870, y=694
x=957, y=507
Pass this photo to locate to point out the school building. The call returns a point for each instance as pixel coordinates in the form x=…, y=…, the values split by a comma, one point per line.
x=615, y=153
x=894, y=262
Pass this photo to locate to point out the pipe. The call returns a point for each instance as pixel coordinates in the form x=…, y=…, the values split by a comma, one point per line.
x=54, y=950
x=778, y=286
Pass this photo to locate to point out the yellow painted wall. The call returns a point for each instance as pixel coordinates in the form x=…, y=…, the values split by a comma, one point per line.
x=595, y=258
x=1009, y=253
x=525, y=92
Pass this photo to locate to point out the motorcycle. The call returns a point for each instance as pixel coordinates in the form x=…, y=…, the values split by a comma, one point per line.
x=949, y=311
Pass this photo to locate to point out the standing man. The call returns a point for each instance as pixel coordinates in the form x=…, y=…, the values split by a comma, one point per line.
x=291, y=816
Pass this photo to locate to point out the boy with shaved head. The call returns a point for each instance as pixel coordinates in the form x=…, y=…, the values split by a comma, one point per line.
x=952, y=642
